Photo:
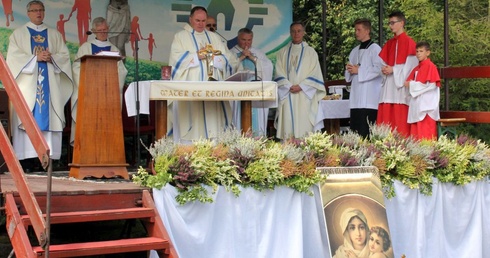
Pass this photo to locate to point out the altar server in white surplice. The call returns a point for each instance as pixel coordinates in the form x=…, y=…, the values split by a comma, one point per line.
x=300, y=87
x=40, y=62
x=363, y=72
x=199, y=119
x=92, y=47
x=249, y=57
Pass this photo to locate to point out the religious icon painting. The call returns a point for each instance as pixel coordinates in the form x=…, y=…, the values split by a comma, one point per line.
x=355, y=214
x=166, y=72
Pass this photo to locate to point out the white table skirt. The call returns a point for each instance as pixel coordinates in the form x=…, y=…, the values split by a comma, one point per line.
x=453, y=222
x=271, y=224
x=333, y=109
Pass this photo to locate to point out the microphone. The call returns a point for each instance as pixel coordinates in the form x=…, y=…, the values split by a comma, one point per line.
x=110, y=32
x=215, y=31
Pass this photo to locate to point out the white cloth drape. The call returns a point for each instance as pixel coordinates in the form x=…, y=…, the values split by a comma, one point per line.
x=453, y=222
x=333, y=109
x=281, y=223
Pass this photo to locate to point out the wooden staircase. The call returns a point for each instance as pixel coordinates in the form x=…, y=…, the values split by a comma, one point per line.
x=91, y=208
x=34, y=213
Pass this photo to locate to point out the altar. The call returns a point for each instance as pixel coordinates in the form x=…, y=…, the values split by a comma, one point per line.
x=261, y=94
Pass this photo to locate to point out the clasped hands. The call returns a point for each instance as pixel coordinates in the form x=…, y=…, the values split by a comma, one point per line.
x=387, y=70
x=43, y=56
x=246, y=53
x=295, y=89
x=352, y=69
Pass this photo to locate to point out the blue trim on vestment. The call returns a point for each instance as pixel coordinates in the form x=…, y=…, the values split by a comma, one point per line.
x=179, y=62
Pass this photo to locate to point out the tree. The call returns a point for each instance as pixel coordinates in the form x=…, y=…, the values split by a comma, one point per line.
x=469, y=35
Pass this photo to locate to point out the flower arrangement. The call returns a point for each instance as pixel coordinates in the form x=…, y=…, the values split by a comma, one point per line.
x=234, y=160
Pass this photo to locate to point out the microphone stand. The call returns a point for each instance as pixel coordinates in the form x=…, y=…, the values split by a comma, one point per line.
x=136, y=77
x=255, y=66
x=256, y=79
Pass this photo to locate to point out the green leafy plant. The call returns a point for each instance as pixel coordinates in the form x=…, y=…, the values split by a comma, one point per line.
x=233, y=160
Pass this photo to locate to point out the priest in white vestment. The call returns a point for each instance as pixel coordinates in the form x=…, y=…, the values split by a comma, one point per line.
x=40, y=63
x=300, y=87
x=92, y=47
x=192, y=120
x=250, y=57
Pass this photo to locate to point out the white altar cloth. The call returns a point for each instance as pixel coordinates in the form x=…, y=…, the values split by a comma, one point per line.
x=271, y=224
x=453, y=222
x=198, y=92
x=333, y=109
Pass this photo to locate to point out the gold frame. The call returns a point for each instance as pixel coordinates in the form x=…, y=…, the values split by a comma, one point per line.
x=352, y=187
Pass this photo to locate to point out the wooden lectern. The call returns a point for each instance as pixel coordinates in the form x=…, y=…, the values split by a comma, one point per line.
x=99, y=141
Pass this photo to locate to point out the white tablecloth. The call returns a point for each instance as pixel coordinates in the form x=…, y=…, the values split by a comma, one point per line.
x=271, y=224
x=333, y=109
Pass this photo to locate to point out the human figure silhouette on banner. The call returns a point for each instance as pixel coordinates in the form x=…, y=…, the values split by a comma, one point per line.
x=151, y=44
x=7, y=10
x=60, y=26
x=84, y=17
x=119, y=20
x=135, y=33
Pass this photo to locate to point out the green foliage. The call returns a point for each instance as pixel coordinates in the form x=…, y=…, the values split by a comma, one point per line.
x=469, y=40
x=197, y=170
x=147, y=70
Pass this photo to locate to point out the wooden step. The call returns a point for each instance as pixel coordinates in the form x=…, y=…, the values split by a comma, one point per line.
x=104, y=247
x=97, y=215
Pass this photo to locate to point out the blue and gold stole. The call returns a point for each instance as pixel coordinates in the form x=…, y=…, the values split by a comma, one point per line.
x=39, y=42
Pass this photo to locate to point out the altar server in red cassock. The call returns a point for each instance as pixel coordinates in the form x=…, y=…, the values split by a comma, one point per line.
x=398, y=55
x=423, y=83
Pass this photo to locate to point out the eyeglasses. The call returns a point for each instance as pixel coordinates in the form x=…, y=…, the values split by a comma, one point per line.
x=391, y=23
x=36, y=10
x=211, y=25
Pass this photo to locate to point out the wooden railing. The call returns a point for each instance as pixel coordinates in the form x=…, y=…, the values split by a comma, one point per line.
x=471, y=72
x=39, y=224
x=448, y=73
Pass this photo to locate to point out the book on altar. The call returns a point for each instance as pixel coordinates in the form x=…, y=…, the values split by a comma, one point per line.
x=241, y=76
x=108, y=53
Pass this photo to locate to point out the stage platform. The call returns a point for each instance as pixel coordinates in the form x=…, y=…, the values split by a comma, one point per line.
x=62, y=184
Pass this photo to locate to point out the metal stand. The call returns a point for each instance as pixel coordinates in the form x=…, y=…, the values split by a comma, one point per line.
x=136, y=77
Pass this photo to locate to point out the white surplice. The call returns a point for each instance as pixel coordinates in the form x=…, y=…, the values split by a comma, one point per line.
x=366, y=84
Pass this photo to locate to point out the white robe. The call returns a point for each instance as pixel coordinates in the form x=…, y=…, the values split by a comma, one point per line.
x=296, y=113
x=424, y=101
x=23, y=65
x=86, y=49
x=192, y=120
x=264, y=72
x=392, y=90
x=366, y=84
